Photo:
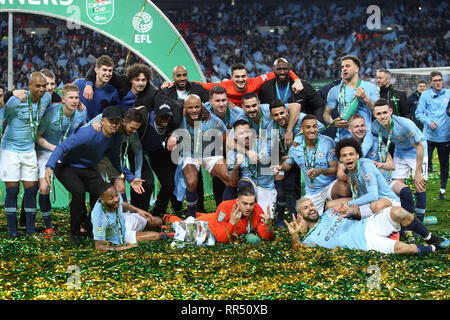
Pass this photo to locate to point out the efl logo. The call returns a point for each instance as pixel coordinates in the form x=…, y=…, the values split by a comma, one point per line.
x=142, y=23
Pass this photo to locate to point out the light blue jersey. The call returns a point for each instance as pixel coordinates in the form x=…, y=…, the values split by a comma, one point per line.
x=258, y=173
x=134, y=143
x=264, y=118
x=432, y=107
x=18, y=136
x=231, y=116
x=372, y=154
x=206, y=143
x=337, y=100
x=405, y=135
x=323, y=155
x=368, y=184
x=105, y=226
x=55, y=125
x=296, y=130
x=331, y=232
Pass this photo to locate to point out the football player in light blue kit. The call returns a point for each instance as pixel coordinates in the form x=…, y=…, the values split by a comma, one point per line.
x=332, y=230
x=258, y=115
x=196, y=152
x=60, y=121
x=285, y=184
x=314, y=154
x=260, y=174
x=121, y=223
x=431, y=111
x=410, y=150
x=220, y=106
x=18, y=160
x=351, y=90
x=369, y=188
x=373, y=149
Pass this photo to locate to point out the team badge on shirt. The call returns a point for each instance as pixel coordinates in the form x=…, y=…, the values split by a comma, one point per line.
x=221, y=216
x=100, y=231
x=366, y=177
x=320, y=155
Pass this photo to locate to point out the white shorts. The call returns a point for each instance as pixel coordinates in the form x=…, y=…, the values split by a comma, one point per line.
x=403, y=168
x=42, y=159
x=134, y=222
x=378, y=229
x=208, y=162
x=367, y=212
x=319, y=198
x=18, y=166
x=106, y=169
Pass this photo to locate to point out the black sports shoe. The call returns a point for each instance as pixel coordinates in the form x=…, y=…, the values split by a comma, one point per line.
x=441, y=195
x=438, y=242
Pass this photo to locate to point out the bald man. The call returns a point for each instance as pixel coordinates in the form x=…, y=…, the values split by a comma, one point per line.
x=18, y=161
x=183, y=87
x=281, y=88
x=197, y=152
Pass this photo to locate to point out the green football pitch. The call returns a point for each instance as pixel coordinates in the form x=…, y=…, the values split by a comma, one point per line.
x=35, y=268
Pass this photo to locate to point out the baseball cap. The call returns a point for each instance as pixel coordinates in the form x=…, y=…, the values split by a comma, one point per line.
x=163, y=110
x=113, y=112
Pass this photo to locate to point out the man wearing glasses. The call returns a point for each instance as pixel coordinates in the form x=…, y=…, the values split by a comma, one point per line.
x=431, y=111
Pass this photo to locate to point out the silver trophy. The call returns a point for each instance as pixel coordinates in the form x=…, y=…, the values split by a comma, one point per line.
x=191, y=229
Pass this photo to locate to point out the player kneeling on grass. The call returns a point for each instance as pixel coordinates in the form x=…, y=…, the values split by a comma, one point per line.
x=111, y=223
x=338, y=228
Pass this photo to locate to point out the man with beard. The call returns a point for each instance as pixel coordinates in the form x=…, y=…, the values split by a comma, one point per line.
x=332, y=230
x=74, y=161
x=129, y=124
x=285, y=183
x=136, y=90
x=314, y=154
x=60, y=121
x=279, y=89
x=123, y=229
x=258, y=115
x=194, y=155
x=240, y=84
x=397, y=98
x=350, y=96
x=241, y=217
x=220, y=106
x=431, y=111
x=258, y=174
x=183, y=87
x=413, y=99
x=158, y=145
x=18, y=161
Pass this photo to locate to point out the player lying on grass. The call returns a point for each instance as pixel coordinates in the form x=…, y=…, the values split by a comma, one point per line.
x=111, y=224
x=338, y=229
